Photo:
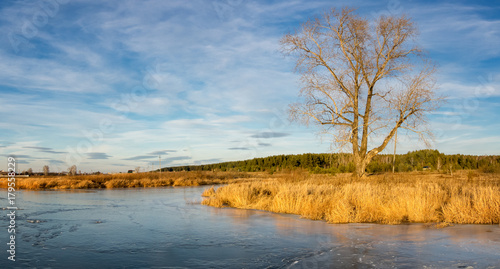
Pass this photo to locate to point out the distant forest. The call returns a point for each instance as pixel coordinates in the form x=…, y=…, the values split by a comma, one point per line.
x=342, y=163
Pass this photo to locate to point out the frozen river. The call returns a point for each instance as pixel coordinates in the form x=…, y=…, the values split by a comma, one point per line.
x=168, y=228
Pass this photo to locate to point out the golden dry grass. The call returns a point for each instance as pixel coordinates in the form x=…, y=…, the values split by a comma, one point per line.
x=130, y=180
x=389, y=199
x=208, y=192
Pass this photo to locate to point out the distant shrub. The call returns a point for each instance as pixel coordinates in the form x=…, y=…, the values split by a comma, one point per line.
x=320, y=170
x=489, y=169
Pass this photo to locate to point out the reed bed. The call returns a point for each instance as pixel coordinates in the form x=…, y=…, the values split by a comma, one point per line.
x=465, y=197
x=138, y=180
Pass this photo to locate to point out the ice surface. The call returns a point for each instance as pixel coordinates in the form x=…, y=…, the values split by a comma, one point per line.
x=168, y=228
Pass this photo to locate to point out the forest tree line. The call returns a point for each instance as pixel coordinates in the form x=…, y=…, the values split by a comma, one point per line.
x=343, y=163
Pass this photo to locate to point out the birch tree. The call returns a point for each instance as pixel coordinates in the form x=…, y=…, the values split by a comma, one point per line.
x=46, y=170
x=72, y=170
x=362, y=80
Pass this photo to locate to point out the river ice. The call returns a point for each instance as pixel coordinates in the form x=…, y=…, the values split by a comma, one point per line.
x=169, y=228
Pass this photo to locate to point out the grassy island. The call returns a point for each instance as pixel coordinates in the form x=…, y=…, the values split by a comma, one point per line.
x=465, y=197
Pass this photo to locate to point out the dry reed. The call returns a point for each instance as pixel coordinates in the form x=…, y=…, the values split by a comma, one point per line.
x=389, y=199
x=134, y=180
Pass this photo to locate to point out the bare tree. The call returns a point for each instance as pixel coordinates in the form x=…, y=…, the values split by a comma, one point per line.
x=138, y=169
x=46, y=170
x=72, y=170
x=29, y=171
x=362, y=80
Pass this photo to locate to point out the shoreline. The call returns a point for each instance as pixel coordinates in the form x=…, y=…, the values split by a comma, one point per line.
x=136, y=180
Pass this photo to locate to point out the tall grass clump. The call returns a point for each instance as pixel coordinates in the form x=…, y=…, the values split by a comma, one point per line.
x=389, y=199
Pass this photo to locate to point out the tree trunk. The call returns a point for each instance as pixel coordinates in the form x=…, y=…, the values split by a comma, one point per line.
x=361, y=167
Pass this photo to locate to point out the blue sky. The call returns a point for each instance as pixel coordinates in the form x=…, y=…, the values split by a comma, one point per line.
x=110, y=85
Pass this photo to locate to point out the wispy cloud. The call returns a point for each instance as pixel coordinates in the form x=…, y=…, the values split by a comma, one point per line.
x=56, y=162
x=239, y=148
x=161, y=152
x=140, y=157
x=98, y=156
x=208, y=161
x=445, y=23
x=20, y=156
x=45, y=150
x=173, y=159
x=267, y=135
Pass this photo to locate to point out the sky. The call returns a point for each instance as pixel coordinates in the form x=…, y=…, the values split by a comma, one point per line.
x=112, y=85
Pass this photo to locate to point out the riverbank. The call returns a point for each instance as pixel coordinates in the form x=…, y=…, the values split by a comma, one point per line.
x=132, y=180
x=465, y=197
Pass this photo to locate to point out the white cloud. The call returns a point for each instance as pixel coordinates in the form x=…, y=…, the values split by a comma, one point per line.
x=458, y=28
